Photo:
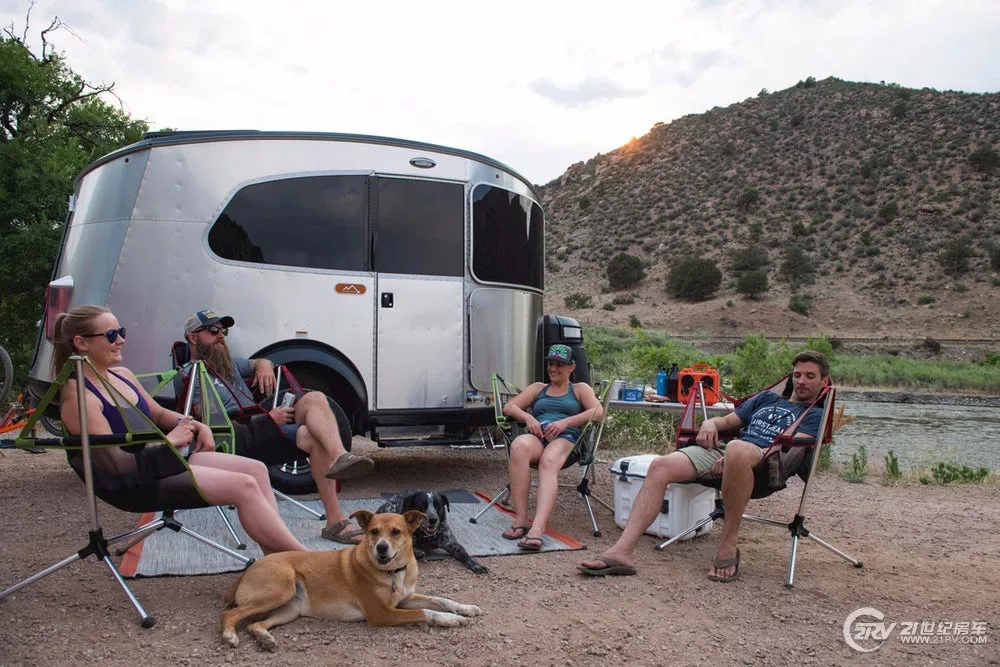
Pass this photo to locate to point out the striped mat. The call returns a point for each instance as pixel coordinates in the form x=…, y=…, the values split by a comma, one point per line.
x=170, y=553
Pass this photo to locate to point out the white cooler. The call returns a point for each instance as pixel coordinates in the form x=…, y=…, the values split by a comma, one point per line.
x=683, y=504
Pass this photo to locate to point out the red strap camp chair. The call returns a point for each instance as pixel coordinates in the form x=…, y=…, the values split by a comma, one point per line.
x=793, y=457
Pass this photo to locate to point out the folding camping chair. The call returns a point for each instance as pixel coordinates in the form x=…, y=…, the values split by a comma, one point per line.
x=584, y=454
x=180, y=354
x=140, y=431
x=803, y=453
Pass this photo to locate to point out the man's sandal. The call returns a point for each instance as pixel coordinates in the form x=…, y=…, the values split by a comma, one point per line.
x=725, y=563
x=339, y=533
x=349, y=466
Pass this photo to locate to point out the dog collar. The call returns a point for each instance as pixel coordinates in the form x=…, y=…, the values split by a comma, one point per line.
x=392, y=577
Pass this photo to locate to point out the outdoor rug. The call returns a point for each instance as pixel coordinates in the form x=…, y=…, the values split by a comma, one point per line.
x=166, y=552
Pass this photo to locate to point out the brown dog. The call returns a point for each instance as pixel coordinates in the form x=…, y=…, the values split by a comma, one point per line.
x=373, y=581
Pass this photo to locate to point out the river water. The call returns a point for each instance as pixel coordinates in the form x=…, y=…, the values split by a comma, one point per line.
x=920, y=435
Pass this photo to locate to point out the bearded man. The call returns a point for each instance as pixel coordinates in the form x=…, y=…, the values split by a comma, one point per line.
x=309, y=425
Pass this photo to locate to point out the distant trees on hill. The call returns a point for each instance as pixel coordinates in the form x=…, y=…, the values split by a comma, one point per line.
x=695, y=279
x=624, y=271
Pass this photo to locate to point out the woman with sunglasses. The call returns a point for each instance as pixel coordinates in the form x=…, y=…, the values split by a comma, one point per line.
x=155, y=474
x=554, y=414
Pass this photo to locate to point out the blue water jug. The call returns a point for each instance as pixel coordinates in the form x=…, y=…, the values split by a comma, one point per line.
x=661, y=382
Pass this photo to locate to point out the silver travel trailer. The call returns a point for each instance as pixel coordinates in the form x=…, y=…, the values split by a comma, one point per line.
x=393, y=275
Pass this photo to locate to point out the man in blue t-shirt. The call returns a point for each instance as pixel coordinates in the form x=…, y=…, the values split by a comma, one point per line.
x=276, y=437
x=760, y=420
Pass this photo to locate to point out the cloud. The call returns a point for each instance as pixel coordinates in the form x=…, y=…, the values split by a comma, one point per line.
x=535, y=85
x=587, y=93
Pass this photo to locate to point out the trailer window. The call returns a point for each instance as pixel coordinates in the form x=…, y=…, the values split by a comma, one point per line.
x=421, y=227
x=507, y=238
x=317, y=222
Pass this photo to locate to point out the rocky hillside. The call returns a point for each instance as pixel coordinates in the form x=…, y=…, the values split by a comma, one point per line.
x=878, y=203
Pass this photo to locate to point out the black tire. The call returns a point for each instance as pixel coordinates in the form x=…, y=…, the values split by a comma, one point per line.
x=295, y=477
x=6, y=378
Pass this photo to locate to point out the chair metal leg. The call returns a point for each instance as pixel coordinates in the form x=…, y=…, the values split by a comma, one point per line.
x=97, y=546
x=137, y=535
x=496, y=499
x=798, y=530
x=168, y=520
x=694, y=528
x=246, y=560
x=147, y=620
x=305, y=508
x=240, y=544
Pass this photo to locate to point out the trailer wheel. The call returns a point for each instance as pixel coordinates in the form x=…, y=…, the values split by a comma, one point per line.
x=295, y=477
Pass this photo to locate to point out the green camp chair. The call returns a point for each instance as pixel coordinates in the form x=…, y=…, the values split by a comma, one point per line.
x=584, y=454
x=140, y=432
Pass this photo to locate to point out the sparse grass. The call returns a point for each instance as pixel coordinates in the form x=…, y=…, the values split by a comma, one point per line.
x=857, y=469
x=892, y=473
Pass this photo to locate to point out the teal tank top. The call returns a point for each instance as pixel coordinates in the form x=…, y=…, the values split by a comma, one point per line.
x=553, y=408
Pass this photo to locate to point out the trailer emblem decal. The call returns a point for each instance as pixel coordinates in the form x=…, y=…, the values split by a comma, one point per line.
x=350, y=288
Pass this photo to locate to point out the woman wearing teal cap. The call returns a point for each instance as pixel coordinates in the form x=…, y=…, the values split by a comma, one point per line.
x=554, y=414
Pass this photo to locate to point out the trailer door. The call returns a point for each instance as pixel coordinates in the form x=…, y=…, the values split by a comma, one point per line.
x=419, y=260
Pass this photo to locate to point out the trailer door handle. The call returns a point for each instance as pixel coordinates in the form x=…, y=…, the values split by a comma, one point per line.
x=387, y=299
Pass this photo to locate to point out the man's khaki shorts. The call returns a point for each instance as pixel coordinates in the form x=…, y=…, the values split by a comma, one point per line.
x=704, y=458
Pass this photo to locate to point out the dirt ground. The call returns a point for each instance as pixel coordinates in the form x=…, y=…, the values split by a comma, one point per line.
x=929, y=553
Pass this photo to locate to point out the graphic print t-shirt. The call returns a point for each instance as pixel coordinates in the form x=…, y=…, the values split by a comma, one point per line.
x=766, y=415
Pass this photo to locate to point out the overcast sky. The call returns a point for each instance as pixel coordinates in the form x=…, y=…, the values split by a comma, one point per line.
x=538, y=85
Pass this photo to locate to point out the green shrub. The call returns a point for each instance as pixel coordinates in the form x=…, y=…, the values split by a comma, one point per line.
x=985, y=161
x=892, y=472
x=749, y=258
x=624, y=271
x=889, y=210
x=608, y=306
x=955, y=257
x=857, y=469
x=945, y=473
x=825, y=456
x=925, y=299
x=634, y=322
x=748, y=199
x=577, y=301
x=994, y=252
x=622, y=300
x=961, y=287
x=800, y=303
x=695, y=279
x=752, y=283
x=796, y=266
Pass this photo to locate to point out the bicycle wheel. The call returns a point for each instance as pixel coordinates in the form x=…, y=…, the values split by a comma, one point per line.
x=6, y=376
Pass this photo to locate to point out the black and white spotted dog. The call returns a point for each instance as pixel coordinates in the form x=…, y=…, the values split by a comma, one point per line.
x=434, y=532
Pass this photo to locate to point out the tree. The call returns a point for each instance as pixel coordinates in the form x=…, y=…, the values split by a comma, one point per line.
x=752, y=283
x=624, y=271
x=695, y=279
x=52, y=124
x=797, y=267
x=749, y=258
x=955, y=257
x=748, y=199
x=985, y=161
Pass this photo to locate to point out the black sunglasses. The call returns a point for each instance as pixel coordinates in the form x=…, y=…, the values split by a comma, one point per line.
x=215, y=330
x=111, y=334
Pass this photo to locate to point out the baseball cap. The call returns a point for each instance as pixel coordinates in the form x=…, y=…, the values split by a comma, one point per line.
x=561, y=353
x=206, y=318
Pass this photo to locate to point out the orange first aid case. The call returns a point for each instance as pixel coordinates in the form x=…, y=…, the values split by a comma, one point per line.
x=688, y=379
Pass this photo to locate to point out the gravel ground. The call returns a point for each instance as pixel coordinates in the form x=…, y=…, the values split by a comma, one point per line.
x=930, y=554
